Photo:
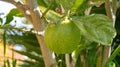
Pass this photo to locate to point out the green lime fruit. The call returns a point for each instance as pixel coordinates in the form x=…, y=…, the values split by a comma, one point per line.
x=62, y=37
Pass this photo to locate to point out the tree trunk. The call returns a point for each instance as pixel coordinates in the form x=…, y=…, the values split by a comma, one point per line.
x=39, y=25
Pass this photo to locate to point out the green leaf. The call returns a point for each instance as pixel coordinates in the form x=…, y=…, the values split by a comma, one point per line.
x=98, y=0
x=96, y=27
x=91, y=56
x=114, y=54
x=32, y=56
x=66, y=4
x=8, y=19
x=4, y=41
x=15, y=12
x=41, y=2
x=46, y=3
x=28, y=63
x=4, y=63
x=32, y=48
x=1, y=20
x=8, y=63
x=26, y=40
x=14, y=63
x=79, y=7
x=11, y=14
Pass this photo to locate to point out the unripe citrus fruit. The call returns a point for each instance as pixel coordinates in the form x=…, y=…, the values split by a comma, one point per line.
x=62, y=37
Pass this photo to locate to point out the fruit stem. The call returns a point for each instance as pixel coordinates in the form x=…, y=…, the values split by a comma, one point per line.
x=68, y=14
x=66, y=19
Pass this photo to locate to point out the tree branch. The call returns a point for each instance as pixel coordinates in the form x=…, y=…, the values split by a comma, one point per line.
x=106, y=50
x=99, y=57
x=111, y=14
x=83, y=60
x=67, y=59
x=114, y=9
x=108, y=9
x=111, y=9
x=114, y=6
x=39, y=25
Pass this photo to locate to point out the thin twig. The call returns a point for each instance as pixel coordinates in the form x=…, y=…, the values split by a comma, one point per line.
x=110, y=14
x=67, y=59
x=83, y=60
x=111, y=10
x=108, y=8
x=114, y=6
x=99, y=56
x=114, y=9
x=52, y=1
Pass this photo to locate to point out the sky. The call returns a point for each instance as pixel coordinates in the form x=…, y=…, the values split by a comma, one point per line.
x=5, y=7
